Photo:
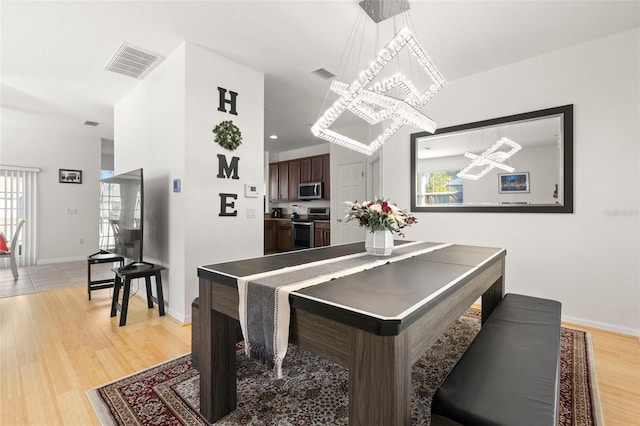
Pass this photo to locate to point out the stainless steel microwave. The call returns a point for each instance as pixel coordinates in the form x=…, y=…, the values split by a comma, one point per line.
x=310, y=191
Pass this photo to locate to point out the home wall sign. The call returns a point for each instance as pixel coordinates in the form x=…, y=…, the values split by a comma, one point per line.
x=223, y=100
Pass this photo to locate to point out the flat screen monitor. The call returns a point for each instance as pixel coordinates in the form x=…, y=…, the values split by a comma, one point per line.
x=121, y=215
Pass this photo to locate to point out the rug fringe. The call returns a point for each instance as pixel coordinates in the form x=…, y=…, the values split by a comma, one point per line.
x=593, y=382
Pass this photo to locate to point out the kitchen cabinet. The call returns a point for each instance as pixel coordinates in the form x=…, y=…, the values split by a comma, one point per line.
x=284, y=235
x=322, y=233
x=311, y=169
x=294, y=179
x=274, y=193
x=279, y=181
x=326, y=177
x=283, y=181
x=285, y=176
x=270, y=236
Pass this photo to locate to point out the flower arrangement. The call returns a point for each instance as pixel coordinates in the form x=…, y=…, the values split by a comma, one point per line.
x=379, y=215
x=228, y=135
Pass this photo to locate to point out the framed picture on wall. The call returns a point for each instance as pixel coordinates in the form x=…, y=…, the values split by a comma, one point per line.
x=513, y=183
x=70, y=176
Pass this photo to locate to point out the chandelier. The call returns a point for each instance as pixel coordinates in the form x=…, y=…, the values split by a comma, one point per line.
x=393, y=100
x=490, y=159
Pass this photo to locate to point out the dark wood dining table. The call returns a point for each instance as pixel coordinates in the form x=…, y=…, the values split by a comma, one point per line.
x=376, y=323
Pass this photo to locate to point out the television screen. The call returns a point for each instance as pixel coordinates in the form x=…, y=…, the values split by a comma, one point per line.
x=121, y=215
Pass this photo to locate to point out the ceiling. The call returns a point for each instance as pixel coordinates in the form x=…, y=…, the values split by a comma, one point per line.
x=53, y=53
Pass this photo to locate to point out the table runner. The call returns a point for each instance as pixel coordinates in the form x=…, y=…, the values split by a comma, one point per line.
x=264, y=309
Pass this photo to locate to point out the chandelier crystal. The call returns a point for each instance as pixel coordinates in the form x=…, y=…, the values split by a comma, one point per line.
x=491, y=158
x=373, y=102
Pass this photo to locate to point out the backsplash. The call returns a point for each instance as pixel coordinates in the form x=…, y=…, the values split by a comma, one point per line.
x=303, y=206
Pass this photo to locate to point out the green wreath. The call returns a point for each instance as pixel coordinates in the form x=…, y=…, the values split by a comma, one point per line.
x=228, y=135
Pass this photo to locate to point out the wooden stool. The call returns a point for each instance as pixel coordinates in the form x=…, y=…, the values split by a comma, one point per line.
x=124, y=277
x=96, y=258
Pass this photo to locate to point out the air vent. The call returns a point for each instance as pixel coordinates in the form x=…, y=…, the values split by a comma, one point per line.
x=133, y=62
x=91, y=123
x=323, y=73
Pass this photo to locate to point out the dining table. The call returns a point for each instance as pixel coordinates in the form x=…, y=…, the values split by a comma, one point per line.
x=376, y=320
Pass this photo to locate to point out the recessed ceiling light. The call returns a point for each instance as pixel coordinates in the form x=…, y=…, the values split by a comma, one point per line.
x=273, y=137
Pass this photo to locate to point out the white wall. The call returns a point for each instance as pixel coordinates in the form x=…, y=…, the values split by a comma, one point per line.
x=165, y=126
x=588, y=260
x=59, y=234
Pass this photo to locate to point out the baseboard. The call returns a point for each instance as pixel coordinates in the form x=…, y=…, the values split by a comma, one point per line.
x=602, y=326
x=60, y=260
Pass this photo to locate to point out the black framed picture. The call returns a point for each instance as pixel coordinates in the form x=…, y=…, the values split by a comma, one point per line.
x=70, y=176
x=513, y=183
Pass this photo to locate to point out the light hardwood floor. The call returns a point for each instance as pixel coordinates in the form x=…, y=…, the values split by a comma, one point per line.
x=55, y=345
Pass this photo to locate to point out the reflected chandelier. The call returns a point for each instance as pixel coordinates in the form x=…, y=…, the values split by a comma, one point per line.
x=492, y=158
x=373, y=101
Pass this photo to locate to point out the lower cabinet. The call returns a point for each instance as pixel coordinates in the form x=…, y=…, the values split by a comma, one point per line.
x=284, y=235
x=322, y=234
x=277, y=235
x=270, y=240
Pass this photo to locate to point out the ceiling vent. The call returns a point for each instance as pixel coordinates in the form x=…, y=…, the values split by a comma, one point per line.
x=91, y=123
x=133, y=62
x=323, y=73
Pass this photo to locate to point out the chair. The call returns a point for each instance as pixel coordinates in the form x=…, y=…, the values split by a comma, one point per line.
x=12, y=250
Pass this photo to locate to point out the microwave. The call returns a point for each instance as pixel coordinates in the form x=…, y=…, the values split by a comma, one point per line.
x=310, y=191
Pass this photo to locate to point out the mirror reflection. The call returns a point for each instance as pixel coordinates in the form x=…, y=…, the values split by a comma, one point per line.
x=519, y=163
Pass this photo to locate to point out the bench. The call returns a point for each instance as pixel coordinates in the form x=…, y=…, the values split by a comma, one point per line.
x=510, y=374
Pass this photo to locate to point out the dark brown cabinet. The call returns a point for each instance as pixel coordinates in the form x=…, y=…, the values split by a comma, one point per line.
x=285, y=176
x=274, y=193
x=326, y=177
x=283, y=181
x=270, y=236
x=294, y=179
x=284, y=235
x=322, y=233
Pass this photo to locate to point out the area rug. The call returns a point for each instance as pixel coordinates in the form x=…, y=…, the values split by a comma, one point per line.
x=314, y=391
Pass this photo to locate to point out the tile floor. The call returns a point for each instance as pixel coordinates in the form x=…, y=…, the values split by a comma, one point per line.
x=34, y=279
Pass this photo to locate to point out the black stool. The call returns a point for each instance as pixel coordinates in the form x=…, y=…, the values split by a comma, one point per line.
x=128, y=273
x=96, y=258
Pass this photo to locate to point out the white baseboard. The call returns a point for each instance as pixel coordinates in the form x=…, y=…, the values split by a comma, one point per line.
x=60, y=260
x=602, y=325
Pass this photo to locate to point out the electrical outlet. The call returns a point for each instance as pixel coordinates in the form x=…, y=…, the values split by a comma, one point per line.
x=81, y=241
x=251, y=213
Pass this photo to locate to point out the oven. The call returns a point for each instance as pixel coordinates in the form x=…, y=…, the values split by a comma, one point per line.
x=301, y=234
x=303, y=229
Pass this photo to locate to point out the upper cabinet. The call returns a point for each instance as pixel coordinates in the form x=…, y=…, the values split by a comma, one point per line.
x=285, y=176
x=279, y=181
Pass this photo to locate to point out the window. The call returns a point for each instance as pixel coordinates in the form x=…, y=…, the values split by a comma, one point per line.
x=18, y=190
x=441, y=187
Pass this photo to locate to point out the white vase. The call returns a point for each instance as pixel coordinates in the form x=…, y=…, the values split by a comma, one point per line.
x=379, y=243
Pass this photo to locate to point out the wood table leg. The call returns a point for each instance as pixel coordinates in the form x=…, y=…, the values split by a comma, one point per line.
x=217, y=359
x=379, y=379
x=147, y=283
x=492, y=297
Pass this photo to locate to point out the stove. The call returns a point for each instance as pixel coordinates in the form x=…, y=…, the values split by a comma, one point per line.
x=319, y=213
x=302, y=230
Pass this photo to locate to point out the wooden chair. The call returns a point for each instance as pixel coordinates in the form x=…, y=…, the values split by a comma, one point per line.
x=12, y=250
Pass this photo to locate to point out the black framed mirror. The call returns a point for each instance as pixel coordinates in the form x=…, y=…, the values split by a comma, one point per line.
x=521, y=163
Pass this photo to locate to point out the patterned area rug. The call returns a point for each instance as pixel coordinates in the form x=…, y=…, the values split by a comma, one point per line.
x=314, y=391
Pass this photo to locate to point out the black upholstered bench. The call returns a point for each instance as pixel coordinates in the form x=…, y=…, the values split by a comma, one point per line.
x=510, y=374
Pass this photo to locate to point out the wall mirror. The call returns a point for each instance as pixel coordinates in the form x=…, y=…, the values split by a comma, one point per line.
x=521, y=163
